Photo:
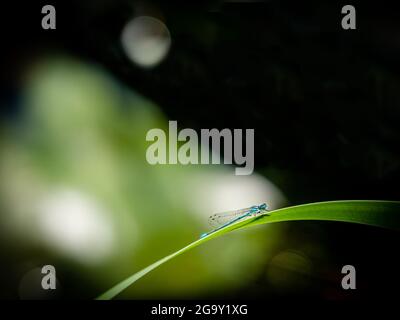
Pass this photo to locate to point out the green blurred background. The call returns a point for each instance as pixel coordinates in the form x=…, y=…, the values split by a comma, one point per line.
x=78, y=192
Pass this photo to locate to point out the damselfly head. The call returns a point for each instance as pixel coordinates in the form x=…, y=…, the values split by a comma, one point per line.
x=263, y=207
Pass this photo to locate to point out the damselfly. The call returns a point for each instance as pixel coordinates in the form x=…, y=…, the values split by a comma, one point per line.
x=225, y=219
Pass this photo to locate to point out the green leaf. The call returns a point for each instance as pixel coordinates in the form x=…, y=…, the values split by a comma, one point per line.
x=384, y=214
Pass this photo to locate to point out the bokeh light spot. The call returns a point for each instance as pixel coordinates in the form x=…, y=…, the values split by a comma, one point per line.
x=72, y=223
x=146, y=41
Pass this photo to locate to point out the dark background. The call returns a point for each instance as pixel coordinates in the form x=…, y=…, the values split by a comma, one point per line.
x=324, y=101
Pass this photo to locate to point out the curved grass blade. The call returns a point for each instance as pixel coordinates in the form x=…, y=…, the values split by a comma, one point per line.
x=384, y=214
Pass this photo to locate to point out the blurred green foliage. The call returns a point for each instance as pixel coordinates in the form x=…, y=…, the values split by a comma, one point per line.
x=82, y=134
